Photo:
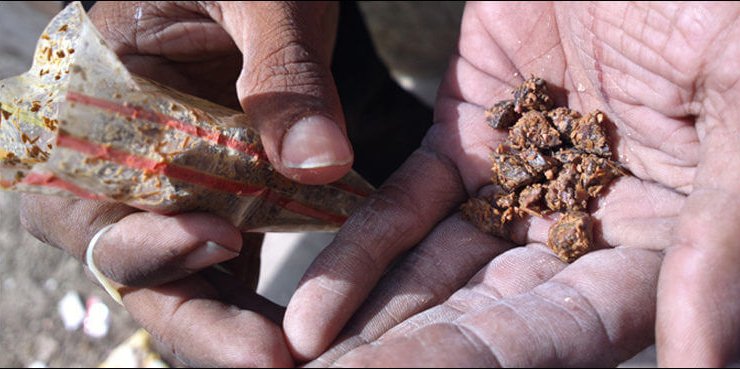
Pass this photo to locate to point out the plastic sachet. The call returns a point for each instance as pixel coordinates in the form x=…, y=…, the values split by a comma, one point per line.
x=78, y=123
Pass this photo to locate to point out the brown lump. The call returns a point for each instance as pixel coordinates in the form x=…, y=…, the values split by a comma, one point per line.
x=532, y=95
x=588, y=134
x=564, y=120
x=502, y=114
x=511, y=172
x=533, y=129
x=484, y=215
x=571, y=236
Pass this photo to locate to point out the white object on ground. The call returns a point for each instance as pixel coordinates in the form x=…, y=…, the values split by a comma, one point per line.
x=71, y=310
x=97, y=319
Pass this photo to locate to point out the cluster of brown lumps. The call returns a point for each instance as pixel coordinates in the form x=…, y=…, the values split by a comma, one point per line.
x=553, y=160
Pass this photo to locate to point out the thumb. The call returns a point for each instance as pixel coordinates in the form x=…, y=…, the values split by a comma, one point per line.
x=286, y=86
x=698, y=321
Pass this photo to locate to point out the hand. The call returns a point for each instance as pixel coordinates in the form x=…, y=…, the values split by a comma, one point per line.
x=665, y=76
x=270, y=59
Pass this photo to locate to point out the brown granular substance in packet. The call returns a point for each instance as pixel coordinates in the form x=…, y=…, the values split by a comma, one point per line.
x=554, y=160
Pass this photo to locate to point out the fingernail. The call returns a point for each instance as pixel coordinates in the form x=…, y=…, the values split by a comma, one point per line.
x=315, y=142
x=207, y=255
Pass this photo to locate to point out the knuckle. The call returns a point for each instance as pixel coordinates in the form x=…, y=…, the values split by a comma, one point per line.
x=471, y=338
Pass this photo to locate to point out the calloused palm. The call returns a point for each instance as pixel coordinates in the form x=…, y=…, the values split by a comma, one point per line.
x=666, y=75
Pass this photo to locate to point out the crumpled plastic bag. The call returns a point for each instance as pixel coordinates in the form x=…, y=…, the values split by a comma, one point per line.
x=78, y=123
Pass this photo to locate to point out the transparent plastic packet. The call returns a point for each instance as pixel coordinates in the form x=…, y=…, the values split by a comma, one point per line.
x=78, y=123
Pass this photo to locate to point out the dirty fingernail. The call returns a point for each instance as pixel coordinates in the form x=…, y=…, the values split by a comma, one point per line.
x=315, y=142
x=207, y=255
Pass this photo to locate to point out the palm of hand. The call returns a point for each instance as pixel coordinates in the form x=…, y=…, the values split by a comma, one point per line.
x=654, y=73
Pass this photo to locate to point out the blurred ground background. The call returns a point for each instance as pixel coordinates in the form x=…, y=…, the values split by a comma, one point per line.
x=35, y=277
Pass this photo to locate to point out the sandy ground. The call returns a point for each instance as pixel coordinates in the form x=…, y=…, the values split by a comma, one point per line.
x=34, y=277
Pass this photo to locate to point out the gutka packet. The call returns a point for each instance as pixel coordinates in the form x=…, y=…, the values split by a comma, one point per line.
x=78, y=123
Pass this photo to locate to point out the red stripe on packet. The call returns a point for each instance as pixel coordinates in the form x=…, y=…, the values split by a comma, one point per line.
x=105, y=152
x=347, y=188
x=302, y=209
x=136, y=112
x=50, y=180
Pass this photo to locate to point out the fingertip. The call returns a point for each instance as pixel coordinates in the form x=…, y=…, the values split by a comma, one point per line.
x=309, y=332
x=208, y=254
x=302, y=343
x=317, y=176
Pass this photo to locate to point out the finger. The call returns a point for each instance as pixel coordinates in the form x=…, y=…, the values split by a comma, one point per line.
x=432, y=271
x=187, y=317
x=286, y=87
x=598, y=311
x=68, y=223
x=442, y=263
x=161, y=29
x=698, y=313
x=393, y=220
x=629, y=213
x=141, y=248
x=517, y=271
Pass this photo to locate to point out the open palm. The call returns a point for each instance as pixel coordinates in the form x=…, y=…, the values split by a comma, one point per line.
x=664, y=75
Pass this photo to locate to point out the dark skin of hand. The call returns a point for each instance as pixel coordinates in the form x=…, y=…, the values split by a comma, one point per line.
x=665, y=75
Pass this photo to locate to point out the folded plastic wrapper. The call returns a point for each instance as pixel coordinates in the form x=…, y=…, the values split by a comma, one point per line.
x=78, y=123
